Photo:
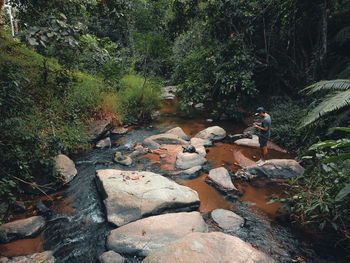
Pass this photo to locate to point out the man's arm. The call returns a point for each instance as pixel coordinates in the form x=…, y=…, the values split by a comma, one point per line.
x=257, y=125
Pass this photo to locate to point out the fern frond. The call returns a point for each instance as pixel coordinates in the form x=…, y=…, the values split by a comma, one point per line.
x=337, y=84
x=329, y=104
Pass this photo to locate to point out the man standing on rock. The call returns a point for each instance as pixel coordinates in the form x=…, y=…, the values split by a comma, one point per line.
x=264, y=136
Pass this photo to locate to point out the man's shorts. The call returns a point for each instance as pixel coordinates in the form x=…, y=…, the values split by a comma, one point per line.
x=263, y=141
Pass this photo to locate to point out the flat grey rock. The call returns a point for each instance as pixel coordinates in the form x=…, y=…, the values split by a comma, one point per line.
x=131, y=195
x=200, y=142
x=214, y=133
x=227, y=220
x=188, y=160
x=145, y=235
x=274, y=168
x=208, y=248
x=23, y=228
x=155, y=141
x=191, y=172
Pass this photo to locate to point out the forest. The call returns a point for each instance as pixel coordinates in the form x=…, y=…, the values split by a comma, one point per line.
x=66, y=63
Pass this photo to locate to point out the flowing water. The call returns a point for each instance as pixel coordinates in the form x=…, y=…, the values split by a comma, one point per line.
x=78, y=229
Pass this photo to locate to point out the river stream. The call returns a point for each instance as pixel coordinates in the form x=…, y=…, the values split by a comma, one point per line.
x=78, y=229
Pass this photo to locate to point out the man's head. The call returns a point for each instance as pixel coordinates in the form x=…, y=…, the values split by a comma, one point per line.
x=260, y=111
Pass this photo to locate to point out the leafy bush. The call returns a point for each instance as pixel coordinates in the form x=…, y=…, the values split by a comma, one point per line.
x=321, y=198
x=138, y=99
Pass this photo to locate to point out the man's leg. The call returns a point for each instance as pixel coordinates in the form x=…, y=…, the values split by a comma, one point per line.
x=264, y=153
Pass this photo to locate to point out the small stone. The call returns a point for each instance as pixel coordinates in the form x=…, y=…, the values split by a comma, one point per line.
x=227, y=220
x=209, y=120
x=119, y=131
x=65, y=167
x=221, y=178
x=122, y=159
x=162, y=156
x=105, y=143
x=199, y=106
x=111, y=257
x=19, y=207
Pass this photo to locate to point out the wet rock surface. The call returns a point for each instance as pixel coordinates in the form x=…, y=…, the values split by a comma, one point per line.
x=155, y=141
x=100, y=128
x=254, y=143
x=227, y=220
x=191, y=172
x=65, y=167
x=168, y=92
x=111, y=257
x=23, y=228
x=132, y=195
x=221, y=179
x=214, y=133
x=46, y=257
x=145, y=235
x=200, y=142
x=208, y=248
x=274, y=168
x=189, y=160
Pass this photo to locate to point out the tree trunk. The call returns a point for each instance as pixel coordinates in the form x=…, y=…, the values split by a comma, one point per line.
x=324, y=32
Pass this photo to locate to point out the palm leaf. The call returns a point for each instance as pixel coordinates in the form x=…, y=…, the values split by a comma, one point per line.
x=339, y=157
x=343, y=35
x=330, y=104
x=337, y=84
x=346, y=129
x=343, y=193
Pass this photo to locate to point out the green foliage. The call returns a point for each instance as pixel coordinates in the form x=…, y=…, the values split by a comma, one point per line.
x=138, y=99
x=338, y=98
x=44, y=109
x=321, y=197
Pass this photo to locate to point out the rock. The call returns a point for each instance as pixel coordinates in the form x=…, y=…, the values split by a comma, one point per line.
x=98, y=129
x=200, y=142
x=214, y=133
x=209, y=120
x=200, y=149
x=199, y=106
x=188, y=160
x=236, y=137
x=208, y=248
x=46, y=257
x=227, y=220
x=19, y=207
x=274, y=168
x=138, y=151
x=23, y=228
x=179, y=132
x=155, y=114
x=169, y=92
x=131, y=195
x=162, y=156
x=65, y=167
x=221, y=179
x=191, y=172
x=122, y=159
x=104, y=143
x=254, y=143
x=111, y=257
x=154, y=142
x=143, y=236
x=119, y=131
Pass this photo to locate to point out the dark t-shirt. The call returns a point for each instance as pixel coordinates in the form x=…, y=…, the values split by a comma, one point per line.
x=266, y=122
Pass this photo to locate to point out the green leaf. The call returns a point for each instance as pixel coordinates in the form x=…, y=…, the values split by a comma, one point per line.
x=346, y=129
x=343, y=193
x=323, y=144
x=339, y=157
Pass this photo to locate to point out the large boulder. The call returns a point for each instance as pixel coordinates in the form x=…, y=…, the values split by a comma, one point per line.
x=274, y=168
x=46, y=256
x=214, y=133
x=221, y=179
x=187, y=160
x=227, y=220
x=208, y=248
x=155, y=141
x=143, y=236
x=65, y=167
x=111, y=257
x=130, y=195
x=99, y=128
x=23, y=228
x=179, y=132
x=254, y=143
